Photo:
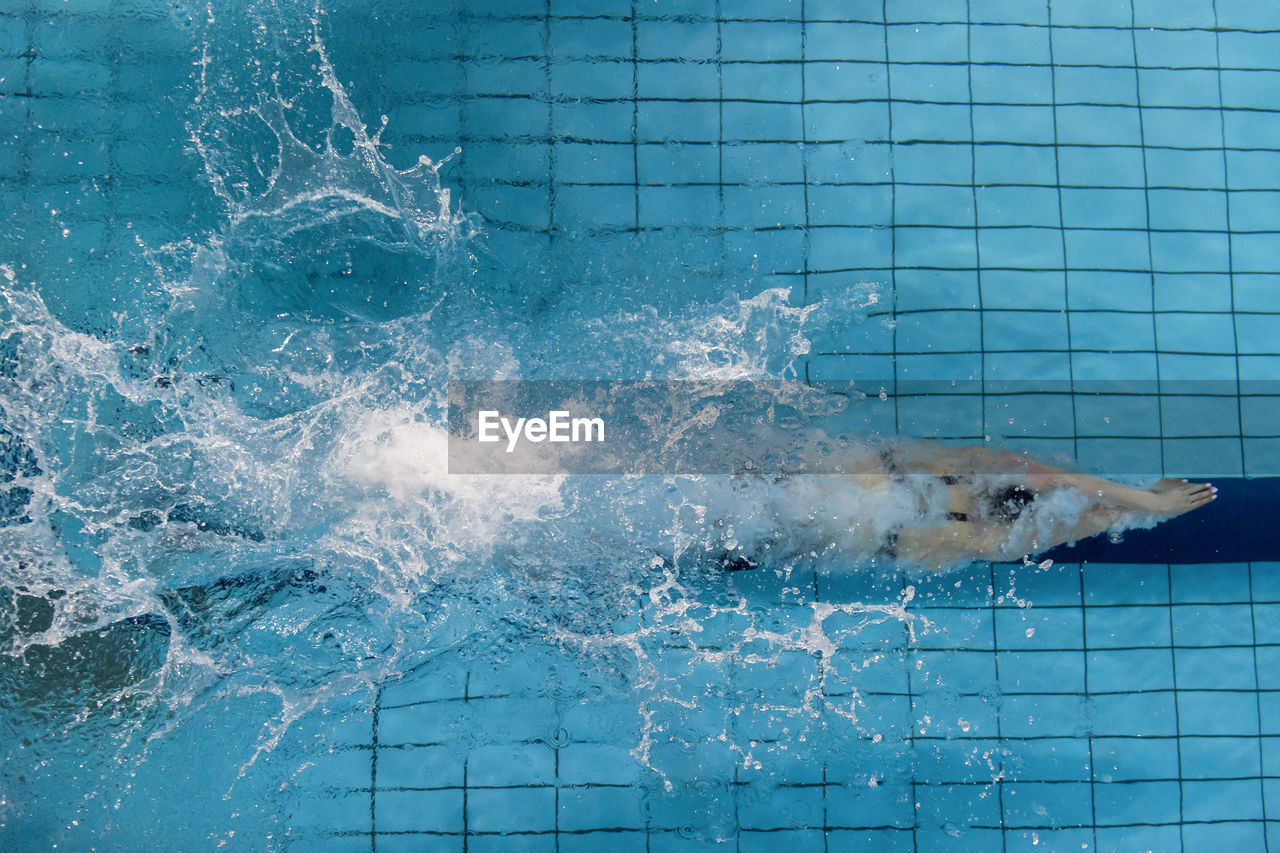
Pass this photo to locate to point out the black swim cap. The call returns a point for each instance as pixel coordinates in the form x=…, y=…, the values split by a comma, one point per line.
x=1007, y=504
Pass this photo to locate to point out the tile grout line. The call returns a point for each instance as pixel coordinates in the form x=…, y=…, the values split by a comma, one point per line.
x=723, y=223
x=547, y=63
x=1084, y=650
x=1000, y=739
x=635, y=107
x=373, y=771
x=1257, y=687
x=977, y=228
x=806, y=240
x=1146, y=190
x=1062, y=236
x=1231, y=254
x=893, y=218
x=1177, y=714
x=1244, y=459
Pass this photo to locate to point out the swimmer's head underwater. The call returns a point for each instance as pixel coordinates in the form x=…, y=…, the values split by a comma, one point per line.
x=1009, y=503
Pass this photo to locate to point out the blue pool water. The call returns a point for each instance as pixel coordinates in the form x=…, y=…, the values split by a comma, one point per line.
x=244, y=604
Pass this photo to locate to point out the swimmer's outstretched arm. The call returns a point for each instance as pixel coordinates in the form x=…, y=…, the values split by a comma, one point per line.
x=960, y=542
x=1168, y=497
x=954, y=543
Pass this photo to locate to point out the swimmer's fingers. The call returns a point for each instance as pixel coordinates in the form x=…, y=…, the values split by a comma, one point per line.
x=1196, y=495
x=1203, y=493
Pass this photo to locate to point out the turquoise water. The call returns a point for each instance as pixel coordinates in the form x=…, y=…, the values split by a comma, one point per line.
x=244, y=603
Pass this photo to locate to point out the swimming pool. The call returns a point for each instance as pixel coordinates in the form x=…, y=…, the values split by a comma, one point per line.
x=249, y=244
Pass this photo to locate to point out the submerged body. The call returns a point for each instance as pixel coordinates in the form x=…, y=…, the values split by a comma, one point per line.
x=998, y=505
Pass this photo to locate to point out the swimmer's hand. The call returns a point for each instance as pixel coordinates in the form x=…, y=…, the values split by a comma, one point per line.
x=1171, y=497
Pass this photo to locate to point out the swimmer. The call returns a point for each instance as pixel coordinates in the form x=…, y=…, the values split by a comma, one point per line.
x=994, y=504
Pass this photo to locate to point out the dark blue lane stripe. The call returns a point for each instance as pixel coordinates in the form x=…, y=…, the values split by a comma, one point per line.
x=1241, y=526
